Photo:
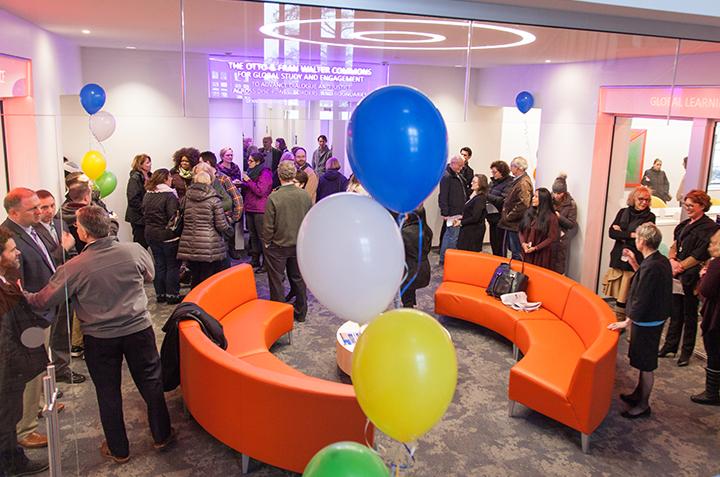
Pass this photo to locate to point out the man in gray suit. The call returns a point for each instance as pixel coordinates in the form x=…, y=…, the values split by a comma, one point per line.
x=61, y=245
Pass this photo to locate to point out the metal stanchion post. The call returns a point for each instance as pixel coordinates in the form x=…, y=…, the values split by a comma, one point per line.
x=50, y=413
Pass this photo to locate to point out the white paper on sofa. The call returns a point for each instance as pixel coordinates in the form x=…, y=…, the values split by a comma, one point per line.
x=518, y=301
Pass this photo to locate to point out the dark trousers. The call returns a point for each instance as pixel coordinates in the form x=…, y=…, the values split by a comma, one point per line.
x=104, y=357
x=711, y=340
x=201, y=271
x=254, y=222
x=512, y=242
x=11, y=410
x=277, y=260
x=167, y=267
x=138, y=233
x=497, y=237
x=60, y=339
x=683, y=322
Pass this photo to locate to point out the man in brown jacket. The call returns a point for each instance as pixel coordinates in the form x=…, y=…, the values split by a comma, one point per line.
x=515, y=205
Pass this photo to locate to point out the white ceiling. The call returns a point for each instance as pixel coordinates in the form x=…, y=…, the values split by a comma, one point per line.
x=231, y=27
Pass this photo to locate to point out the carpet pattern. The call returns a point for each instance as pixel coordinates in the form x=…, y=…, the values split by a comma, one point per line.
x=475, y=438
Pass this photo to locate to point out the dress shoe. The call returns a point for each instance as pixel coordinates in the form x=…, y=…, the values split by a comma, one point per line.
x=683, y=361
x=104, y=450
x=290, y=296
x=77, y=351
x=59, y=394
x=167, y=441
x=32, y=467
x=59, y=406
x=664, y=351
x=34, y=440
x=628, y=398
x=645, y=413
x=71, y=378
x=260, y=270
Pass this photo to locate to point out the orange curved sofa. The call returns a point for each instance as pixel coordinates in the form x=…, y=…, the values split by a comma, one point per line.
x=568, y=368
x=245, y=396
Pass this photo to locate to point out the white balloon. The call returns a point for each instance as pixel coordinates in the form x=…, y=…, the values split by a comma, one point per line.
x=102, y=125
x=351, y=255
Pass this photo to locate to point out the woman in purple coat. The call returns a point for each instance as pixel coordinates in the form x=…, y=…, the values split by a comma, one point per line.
x=256, y=185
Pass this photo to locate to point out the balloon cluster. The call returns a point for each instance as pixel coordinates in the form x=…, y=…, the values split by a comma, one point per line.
x=102, y=126
x=351, y=256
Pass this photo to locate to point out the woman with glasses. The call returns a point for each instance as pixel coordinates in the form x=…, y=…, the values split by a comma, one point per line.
x=256, y=186
x=616, y=282
x=690, y=248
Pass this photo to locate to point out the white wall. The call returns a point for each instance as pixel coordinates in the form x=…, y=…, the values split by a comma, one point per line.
x=568, y=96
x=144, y=95
x=56, y=70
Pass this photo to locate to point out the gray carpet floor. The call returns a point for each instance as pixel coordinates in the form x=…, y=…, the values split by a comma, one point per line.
x=475, y=437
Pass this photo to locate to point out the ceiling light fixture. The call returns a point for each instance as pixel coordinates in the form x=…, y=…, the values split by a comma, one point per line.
x=548, y=61
x=131, y=47
x=273, y=30
x=87, y=32
x=429, y=37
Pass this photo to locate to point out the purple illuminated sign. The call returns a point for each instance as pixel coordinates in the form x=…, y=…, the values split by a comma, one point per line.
x=254, y=81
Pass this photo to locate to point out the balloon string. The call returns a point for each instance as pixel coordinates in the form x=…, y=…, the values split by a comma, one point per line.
x=93, y=135
x=527, y=136
x=417, y=270
x=395, y=467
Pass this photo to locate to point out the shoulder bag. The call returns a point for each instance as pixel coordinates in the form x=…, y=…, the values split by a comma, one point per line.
x=175, y=225
x=506, y=280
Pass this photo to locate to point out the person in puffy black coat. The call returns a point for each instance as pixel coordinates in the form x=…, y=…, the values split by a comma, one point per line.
x=141, y=167
x=201, y=242
x=332, y=181
x=159, y=206
x=566, y=212
x=499, y=188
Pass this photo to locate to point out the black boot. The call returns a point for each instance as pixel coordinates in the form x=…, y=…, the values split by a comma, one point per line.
x=711, y=395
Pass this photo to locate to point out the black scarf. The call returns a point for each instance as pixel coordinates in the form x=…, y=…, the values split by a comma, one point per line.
x=632, y=218
x=255, y=171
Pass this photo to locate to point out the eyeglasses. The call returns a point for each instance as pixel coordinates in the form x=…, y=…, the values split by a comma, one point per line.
x=689, y=205
x=643, y=199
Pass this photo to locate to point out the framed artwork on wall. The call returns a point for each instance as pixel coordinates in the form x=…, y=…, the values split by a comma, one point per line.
x=636, y=156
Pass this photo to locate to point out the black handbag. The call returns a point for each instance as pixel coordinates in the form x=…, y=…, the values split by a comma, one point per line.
x=175, y=225
x=506, y=280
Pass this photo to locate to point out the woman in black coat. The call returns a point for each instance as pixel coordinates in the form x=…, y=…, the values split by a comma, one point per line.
x=616, y=282
x=472, y=223
x=648, y=306
x=499, y=188
x=690, y=248
x=141, y=167
x=159, y=206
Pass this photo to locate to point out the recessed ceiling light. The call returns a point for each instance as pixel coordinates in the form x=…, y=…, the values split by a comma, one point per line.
x=131, y=47
x=548, y=61
x=273, y=30
x=87, y=32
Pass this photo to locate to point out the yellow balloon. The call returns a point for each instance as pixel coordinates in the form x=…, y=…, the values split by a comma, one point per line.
x=404, y=372
x=93, y=164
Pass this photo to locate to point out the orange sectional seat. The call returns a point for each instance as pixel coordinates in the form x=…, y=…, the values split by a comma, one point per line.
x=568, y=368
x=245, y=396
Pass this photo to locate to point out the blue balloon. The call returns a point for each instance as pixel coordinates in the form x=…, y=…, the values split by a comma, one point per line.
x=397, y=146
x=524, y=102
x=92, y=98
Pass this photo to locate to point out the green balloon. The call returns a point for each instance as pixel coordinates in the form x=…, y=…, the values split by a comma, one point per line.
x=106, y=183
x=346, y=459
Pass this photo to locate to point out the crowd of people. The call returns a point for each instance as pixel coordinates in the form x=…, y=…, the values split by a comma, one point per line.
x=193, y=218
x=534, y=225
